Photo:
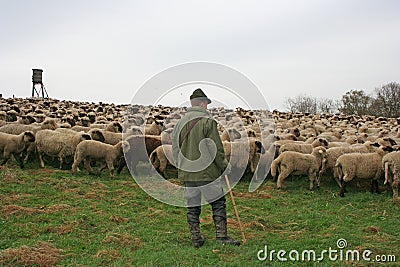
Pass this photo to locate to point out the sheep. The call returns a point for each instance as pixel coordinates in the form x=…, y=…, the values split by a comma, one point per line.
x=14, y=144
x=155, y=128
x=302, y=147
x=160, y=158
x=291, y=162
x=61, y=144
x=111, y=127
x=332, y=154
x=230, y=135
x=141, y=147
x=104, y=136
x=20, y=128
x=242, y=153
x=94, y=150
x=362, y=166
x=264, y=161
x=391, y=166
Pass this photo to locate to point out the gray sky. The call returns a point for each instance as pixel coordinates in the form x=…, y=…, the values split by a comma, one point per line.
x=105, y=50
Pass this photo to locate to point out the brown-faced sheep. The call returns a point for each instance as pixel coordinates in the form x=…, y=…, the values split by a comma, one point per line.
x=94, y=150
x=362, y=166
x=15, y=144
x=154, y=128
x=60, y=144
x=391, y=165
x=296, y=163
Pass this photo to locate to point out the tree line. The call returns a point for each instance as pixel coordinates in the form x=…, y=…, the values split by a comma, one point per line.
x=384, y=101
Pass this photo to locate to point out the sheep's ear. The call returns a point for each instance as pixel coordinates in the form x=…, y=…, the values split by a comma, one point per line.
x=388, y=149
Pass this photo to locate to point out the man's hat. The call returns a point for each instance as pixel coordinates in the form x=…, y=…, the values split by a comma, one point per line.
x=199, y=94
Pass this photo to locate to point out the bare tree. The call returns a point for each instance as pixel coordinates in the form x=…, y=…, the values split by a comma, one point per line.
x=302, y=103
x=387, y=102
x=327, y=105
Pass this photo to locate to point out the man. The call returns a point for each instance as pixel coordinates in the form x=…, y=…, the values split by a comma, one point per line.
x=199, y=156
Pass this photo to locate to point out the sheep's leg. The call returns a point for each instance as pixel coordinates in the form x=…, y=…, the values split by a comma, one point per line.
x=395, y=185
x=86, y=163
x=282, y=176
x=110, y=166
x=29, y=150
x=121, y=165
x=19, y=159
x=41, y=159
x=312, y=178
x=342, y=187
x=75, y=165
x=374, y=186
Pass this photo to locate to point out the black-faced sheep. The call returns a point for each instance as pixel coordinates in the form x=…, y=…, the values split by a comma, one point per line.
x=94, y=150
x=296, y=163
x=104, y=136
x=15, y=144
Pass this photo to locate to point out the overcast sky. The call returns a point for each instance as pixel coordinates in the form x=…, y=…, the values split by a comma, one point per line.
x=105, y=50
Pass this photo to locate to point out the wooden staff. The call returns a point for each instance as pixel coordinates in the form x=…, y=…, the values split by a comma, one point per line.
x=234, y=207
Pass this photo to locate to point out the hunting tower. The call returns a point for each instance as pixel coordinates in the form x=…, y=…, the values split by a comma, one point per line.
x=37, y=80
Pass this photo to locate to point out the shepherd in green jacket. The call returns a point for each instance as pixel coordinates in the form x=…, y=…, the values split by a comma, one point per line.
x=199, y=156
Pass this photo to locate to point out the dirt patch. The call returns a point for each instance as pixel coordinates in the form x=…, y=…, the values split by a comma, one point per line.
x=8, y=199
x=16, y=210
x=41, y=254
x=118, y=219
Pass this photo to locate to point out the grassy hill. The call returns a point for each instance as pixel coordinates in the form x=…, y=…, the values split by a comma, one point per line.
x=49, y=217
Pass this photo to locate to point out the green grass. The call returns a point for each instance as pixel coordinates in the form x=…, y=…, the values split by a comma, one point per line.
x=98, y=221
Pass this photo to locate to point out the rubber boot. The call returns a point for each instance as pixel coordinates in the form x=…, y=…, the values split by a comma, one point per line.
x=222, y=232
x=197, y=238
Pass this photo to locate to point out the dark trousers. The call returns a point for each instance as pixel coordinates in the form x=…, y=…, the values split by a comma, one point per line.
x=212, y=193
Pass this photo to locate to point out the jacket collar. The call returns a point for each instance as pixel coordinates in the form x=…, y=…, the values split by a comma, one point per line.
x=198, y=109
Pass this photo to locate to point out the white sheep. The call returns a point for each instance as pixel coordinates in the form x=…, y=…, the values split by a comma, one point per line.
x=15, y=144
x=303, y=147
x=290, y=162
x=60, y=144
x=94, y=150
x=391, y=165
x=362, y=166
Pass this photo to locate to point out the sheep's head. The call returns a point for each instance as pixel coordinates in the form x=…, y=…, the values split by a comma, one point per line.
x=97, y=135
x=29, y=136
x=234, y=134
x=118, y=126
x=86, y=136
x=260, y=147
x=251, y=133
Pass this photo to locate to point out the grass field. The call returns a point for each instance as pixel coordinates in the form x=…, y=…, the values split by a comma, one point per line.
x=49, y=217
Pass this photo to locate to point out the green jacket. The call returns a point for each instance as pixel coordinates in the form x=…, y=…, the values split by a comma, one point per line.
x=191, y=163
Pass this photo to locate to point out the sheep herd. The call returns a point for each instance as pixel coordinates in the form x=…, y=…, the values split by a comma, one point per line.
x=343, y=147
